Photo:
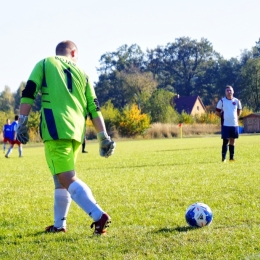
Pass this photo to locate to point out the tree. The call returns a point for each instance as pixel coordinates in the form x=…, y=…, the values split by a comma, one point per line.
x=228, y=73
x=6, y=100
x=256, y=49
x=122, y=59
x=250, y=84
x=110, y=113
x=160, y=108
x=17, y=96
x=155, y=64
x=114, y=66
x=138, y=86
x=185, y=59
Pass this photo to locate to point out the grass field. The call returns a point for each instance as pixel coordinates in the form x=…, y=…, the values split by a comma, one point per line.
x=146, y=187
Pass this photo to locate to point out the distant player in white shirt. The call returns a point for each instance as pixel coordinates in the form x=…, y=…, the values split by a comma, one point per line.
x=229, y=108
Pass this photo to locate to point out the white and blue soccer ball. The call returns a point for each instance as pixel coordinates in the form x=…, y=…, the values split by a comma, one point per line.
x=198, y=215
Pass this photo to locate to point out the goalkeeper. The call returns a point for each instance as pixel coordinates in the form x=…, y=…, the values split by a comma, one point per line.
x=67, y=99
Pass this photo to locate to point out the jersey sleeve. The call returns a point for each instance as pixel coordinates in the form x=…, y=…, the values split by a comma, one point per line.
x=33, y=84
x=93, y=107
x=219, y=106
x=239, y=106
x=15, y=127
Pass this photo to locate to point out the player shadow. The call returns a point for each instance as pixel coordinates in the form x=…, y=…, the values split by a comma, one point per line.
x=19, y=238
x=176, y=150
x=178, y=229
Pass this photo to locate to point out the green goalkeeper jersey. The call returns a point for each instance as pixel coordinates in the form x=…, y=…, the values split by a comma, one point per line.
x=67, y=98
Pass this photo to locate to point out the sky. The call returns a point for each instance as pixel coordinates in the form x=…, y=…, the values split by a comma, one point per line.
x=30, y=30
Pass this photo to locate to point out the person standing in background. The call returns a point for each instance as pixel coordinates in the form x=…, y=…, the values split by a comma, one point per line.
x=84, y=144
x=14, y=139
x=229, y=109
x=7, y=134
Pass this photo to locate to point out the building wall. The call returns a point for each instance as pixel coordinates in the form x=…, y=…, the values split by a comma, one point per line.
x=252, y=124
x=197, y=109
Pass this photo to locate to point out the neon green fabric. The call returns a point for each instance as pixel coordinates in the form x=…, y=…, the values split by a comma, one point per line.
x=61, y=155
x=67, y=98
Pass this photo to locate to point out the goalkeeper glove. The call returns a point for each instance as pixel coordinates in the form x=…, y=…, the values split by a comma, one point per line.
x=22, y=130
x=106, y=145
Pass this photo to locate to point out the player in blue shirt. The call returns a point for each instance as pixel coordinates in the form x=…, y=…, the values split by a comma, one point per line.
x=14, y=139
x=7, y=134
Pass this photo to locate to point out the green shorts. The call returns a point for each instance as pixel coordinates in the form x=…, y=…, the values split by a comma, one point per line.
x=61, y=155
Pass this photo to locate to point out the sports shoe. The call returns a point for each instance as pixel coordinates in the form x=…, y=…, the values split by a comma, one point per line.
x=101, y=225
x=52, y=229
x=232, y=160
x=6, y=156
x=223, y=160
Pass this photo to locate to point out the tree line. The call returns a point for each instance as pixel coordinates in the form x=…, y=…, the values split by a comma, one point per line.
x=152, y=78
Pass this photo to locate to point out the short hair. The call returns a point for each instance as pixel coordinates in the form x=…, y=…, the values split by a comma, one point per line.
x=64, y=48
x=228, y=86
x=16, y=117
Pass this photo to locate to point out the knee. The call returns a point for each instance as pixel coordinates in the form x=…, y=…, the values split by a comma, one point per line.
x=225, y=141
x=57, y=184
x=232, y=142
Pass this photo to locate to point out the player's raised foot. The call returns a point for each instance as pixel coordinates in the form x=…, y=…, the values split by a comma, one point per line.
x=232, y=160
x=52, y=229
x=101, y=225
x=223, y=160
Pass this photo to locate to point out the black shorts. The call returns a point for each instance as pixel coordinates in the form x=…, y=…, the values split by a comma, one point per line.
x=229, y=132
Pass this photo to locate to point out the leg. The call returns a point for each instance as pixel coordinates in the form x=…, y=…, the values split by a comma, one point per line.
x=9, y=150
x=224, y=149
x=83, y=146
x=62, y=201
x=20, y=150
x=81, y=194
x=231, y=149
x=61, y=156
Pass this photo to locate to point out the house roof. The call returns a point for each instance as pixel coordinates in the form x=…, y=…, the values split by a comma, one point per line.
x=186, y=103
x=251, y=115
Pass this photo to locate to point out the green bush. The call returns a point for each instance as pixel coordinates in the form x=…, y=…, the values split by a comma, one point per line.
x=33, y=124
x=110, y=113
x=207, y=118
x=186, y=118
x=160, y=109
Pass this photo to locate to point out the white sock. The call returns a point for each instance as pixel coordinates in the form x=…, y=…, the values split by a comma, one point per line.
x=9, y=150
x=62, y=202
x=20, y=149
x=82, y=195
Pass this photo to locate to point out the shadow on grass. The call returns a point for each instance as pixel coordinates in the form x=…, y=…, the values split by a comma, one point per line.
x=178, y=229
x=179, y=149
x=38, y=238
